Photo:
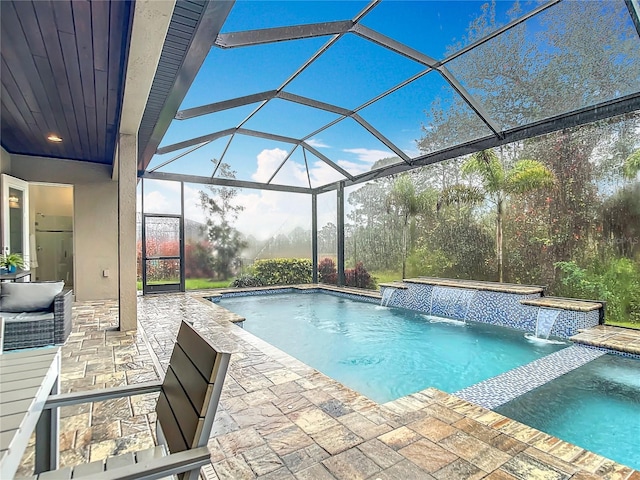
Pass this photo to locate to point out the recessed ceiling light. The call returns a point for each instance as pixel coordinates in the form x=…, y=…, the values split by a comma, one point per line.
x=54, y=138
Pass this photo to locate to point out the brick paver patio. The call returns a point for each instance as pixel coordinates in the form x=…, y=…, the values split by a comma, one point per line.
x=280, y=419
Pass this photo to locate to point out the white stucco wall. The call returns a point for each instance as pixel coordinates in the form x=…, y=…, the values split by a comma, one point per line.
x=95, y=206
x=5, y=161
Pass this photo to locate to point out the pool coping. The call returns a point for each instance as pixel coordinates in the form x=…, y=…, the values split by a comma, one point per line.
x=421, y=400
x=478, y=285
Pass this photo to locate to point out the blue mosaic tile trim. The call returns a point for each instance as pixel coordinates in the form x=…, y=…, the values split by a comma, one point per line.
x=569, y=322
x=499, y=390
x=278, y=290
x=352, y=296
x=496, y=308
x=252, y=293
x=620, y=353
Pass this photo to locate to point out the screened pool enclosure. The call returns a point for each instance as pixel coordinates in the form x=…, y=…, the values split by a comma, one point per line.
x=315, y=99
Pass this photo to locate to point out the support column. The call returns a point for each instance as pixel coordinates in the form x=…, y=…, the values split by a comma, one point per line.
x=314, y=236
x=127, y=177
x=340, y=233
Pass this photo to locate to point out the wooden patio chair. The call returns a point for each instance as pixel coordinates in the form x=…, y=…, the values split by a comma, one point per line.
x=186, y=408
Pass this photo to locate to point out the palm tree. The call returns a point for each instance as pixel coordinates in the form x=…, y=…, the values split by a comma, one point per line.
x=407, y=203
x=497, y=185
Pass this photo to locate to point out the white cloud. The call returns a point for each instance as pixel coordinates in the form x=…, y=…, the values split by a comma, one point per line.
x=354, y=168
x=317, y=143
x=268, y=213
x=268, y=161
x=368, y=155
x=322, y=174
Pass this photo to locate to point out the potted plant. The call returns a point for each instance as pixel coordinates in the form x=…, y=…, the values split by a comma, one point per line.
x=11, y=262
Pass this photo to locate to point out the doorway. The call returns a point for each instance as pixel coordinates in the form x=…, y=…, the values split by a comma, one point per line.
x=52, y=216
x=15, y=217
x=162, y=247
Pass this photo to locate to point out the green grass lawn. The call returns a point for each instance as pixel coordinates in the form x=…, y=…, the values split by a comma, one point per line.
x=387, y=276
x=634, y=325
x=199, y=283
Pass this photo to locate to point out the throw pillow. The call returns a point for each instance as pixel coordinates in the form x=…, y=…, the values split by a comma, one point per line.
x=29, y=296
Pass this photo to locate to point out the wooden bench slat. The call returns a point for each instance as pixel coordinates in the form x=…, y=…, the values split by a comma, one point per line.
x=10, y=422
x=192, y=381
x=173, y=436
x=199, y=351
x=124, y=460
x=151, y=453
x=32, y=373
x=182, y=409
x=19, y=385
x=60, y=474
x=88, y=468
x=17, y=407
x=20, y=394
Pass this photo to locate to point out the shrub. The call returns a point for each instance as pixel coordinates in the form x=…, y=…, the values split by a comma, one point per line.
x=617, y=282
x=198, y=261
x=327, y=272
x=359, y=277
x=283, y=271
x=247, y=281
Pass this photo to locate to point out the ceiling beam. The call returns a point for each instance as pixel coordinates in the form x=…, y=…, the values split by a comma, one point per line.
x=394, y=45
x=267, y=136
x=309, y=102
x=249, y=38
x=195, y=141
x=328, y=161
x=634, y=10
x=225, y=105
x=223, y=182
x=470, y=100
x=367, y=126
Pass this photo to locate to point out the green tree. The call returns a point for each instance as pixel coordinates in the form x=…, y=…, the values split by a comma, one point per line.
x=405, y=202
x=497, y=184
x=221, y=212
x=631, y=165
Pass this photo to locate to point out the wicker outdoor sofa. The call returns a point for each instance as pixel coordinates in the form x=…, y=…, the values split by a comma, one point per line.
x=36, y=314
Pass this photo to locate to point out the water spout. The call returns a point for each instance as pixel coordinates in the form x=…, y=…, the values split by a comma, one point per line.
x=451, y=302
x=545, y=320
x=387, y=296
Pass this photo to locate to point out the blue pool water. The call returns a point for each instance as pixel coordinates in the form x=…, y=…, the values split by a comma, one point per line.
x=383, y=353
x=596, y=407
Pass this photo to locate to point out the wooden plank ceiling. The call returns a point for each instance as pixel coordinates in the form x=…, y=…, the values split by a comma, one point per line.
x=63, y=71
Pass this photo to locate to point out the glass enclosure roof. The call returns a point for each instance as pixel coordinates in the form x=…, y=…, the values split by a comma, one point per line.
x=307, y=93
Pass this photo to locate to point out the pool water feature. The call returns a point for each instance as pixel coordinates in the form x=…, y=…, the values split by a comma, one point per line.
x=596, y=406
x=544, y=321
x=387, y=296
x=451, y=302
x=383, y=353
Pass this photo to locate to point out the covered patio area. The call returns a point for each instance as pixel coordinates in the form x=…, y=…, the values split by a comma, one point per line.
x=280, y=419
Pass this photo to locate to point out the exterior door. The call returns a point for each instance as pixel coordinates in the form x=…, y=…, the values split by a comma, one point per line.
x=162, y=248
x=15, y=217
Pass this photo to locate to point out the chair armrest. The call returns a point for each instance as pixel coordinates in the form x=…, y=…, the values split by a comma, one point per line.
x=62, y=304
x=75, y=398
x=159, y=467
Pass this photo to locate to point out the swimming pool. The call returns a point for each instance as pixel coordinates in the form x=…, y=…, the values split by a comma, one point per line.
x=596, y=406
x=383, y=353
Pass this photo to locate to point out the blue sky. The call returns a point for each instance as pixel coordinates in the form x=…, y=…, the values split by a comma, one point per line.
x=349, y=74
